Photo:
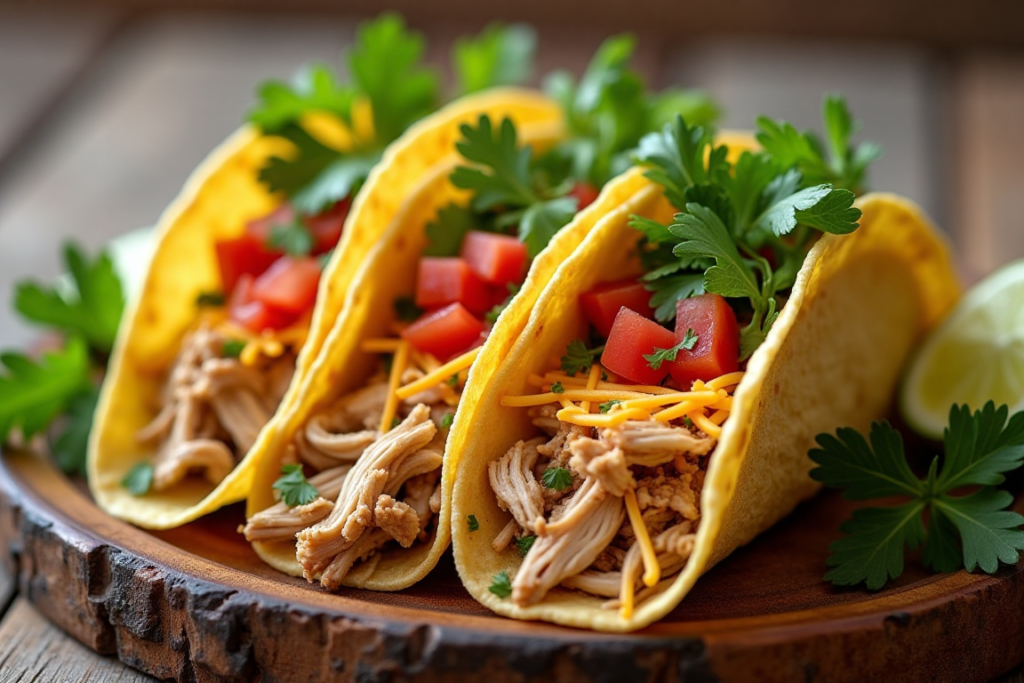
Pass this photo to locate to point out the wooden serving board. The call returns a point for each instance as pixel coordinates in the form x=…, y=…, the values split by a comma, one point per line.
x=196, y=604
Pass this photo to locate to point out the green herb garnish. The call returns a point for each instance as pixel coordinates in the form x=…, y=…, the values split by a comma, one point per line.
x=501, y=585
x=500, y=55
x=294, y=239
x=211, y=299
x=608, y=405
x=472, y=523
x=406, y=309
x=524, y=544
x=578, y=358
x=447, y=420
x=557, y=478
x=557, y=388
x=139, y=479
x=232, y=348
x=294, y=487
x=975, y=529
x=654, y=360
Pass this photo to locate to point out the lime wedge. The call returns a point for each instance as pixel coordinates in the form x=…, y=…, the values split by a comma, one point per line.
x=976, y=355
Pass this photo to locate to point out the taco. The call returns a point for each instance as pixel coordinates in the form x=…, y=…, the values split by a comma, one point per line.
x=253, y=262
x=656, y=410
x=347, y=490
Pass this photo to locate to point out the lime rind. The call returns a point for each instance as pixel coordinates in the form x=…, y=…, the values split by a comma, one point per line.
x=975, y=355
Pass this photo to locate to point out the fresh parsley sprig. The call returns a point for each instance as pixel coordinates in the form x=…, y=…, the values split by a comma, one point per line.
x=500, y=55
x=579, y=358
x=654, y=360
x=970, y=530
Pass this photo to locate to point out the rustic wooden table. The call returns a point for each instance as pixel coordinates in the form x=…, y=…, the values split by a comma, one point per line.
x=105, y=110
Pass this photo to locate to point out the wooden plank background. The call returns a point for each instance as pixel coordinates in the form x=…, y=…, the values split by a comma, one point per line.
x=105, y=107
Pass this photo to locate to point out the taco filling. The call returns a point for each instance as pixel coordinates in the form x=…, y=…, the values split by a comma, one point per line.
x=606, y=497
x=387, y=439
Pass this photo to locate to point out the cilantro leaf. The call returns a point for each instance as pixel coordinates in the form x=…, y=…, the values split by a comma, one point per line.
x=524, y=544
x=608, y=405
x=705, y=236
x=578, y=358
x=834, y=213
x=654, y=360
x=669, y=290
x=385, y=67
x=974, y=530
x=92, y=310
x=308, y=160
x=872, y=551
x=315, y=88
x=337, y=180
x=780, y=215
x=294, y=239
x=557, y=478
x=139, y=479
x=448, y=420
x=232, y=348
x=501, y=585
x=500, y=55
x=865, y=471
x=989, y=530
x=406, y=309
x=496, y=310
x=557, y=388
x=981, y=447
x=472, y=523
x=70, y=444
x=295, y=489
x=212, y=299
x=33, y=393
x=503, y=175
x=675, y=157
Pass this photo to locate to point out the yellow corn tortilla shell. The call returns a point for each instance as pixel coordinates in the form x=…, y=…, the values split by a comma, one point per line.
x=221, y=196
x=388, y=272
x=860, y=304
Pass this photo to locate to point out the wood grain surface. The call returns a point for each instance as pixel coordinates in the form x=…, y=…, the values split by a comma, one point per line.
x=196, y=604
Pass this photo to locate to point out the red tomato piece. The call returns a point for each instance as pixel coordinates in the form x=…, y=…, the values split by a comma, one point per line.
x=261, y=227
x=717, y=349
x=326, y=226
x=447, y=280
x=290, y=284
x=585, y=194
x=631, y=338
x=602, y=303
x=498, y=259
x=252, y=314
x=445, y=332
x=243, y=255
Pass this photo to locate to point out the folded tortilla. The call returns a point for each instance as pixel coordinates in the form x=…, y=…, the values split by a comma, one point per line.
x=860, y=304
x=221, y=196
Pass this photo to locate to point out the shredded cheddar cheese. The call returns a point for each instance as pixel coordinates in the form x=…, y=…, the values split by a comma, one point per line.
x=706, y=425
x=401, y=359
x=652, y=570
x=592, y=380
x=575, y=415
x=569, y=394
x=732, y=379
x=439, y=375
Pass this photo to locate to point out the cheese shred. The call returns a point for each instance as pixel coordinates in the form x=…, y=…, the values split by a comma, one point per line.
x=441, y=374
x=398, y=364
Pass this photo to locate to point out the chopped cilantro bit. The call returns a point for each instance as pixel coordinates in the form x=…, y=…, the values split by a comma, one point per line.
x=501, y=585
x=557, y=478
x=395, y=422
x=294, y=239
x=472, y=523
x=608, y=405
x=687, y=421
x=406, y=309
x=212, y=299
x=557, y=388
x=661, y=355
x=977, y=529
x=493, y=314
x=447, y=420
x=139, y=479
x=524, y=544
x=232, y=348
x=578, y=358
x=294, y=487
x=453, y=381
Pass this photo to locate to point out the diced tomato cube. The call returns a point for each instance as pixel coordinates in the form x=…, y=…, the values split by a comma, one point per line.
x=631, y=338
x=243, y=255
x=261, y=227
x=326, y=226
x=252, y=314
x=447, y=280
x=498, y=259
x=717, y=349
x=445, y=332
x=585, y=194
x=290, y=284
x=602, y=303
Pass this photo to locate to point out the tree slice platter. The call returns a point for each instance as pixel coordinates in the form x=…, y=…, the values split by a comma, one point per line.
x=196, y=604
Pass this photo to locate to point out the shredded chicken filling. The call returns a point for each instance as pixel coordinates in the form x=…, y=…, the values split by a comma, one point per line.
x=584, y=538
x=213, y=409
